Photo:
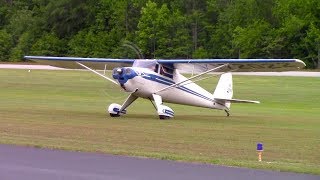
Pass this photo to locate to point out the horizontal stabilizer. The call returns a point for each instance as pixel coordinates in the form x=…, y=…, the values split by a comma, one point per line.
x=237, y=100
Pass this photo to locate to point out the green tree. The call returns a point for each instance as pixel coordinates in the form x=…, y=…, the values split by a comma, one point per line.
x=147, y=29
x=180, y=36
x=90, y=44
x=4, y=11
x=200, y=53
x=6, y=44
x=250, y=41
x=23, y=46
x=163, y=33
x=66, y=17
x=49, y=45
x=20, y=22
x=240, y=15
x=163, y=28
x=295, y=19
x=312, y=44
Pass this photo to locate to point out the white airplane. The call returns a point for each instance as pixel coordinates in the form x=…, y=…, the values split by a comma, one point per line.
x=160, y=80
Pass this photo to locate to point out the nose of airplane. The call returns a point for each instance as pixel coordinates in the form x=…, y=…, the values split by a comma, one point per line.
x=123, y=75
x=119, y=70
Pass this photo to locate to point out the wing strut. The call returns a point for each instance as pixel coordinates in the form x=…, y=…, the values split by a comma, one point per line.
x=193, y=77
x=96, y=72
x=207, y=77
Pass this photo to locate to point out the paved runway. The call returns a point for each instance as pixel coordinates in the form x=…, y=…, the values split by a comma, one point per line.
x=27, y=163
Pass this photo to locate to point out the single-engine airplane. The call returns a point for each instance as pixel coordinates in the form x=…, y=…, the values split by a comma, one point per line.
x=160, y=80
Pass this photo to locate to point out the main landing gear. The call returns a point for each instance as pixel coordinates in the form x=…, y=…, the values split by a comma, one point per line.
x=116, y=110
x=164, y=112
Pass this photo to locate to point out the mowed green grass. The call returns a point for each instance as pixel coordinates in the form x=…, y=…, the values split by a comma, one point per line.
x=67, y=110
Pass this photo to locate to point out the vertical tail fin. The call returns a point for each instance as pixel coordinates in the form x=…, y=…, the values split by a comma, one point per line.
x=224, y=92
x=224, y=89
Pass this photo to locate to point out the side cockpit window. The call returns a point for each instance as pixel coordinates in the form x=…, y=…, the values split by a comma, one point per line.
x=166, y=71
x=156, y=69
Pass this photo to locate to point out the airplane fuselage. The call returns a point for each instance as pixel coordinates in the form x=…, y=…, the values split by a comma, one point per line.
x=145, y=82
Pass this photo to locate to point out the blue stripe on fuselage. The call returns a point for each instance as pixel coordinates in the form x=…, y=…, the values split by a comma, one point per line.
x=168, y=82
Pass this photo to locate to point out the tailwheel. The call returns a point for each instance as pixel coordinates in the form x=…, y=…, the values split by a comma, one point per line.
x=228, y=114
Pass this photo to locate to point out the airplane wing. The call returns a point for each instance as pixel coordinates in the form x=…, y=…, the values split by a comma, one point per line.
x=185, y=65
x=69, y=62
x=239, y=65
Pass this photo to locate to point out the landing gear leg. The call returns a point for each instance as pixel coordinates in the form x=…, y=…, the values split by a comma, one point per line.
x=228, y=114
x=163, y=111
x=115, y=110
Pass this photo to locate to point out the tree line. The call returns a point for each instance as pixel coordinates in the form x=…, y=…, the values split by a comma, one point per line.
x=161, y=29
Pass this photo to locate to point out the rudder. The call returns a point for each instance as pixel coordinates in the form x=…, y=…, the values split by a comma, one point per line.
x=224, y=89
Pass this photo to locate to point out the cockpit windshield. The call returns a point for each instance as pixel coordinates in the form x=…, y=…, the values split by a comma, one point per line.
x=165, y=70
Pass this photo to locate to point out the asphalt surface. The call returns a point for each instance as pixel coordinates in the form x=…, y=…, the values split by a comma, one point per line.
x=32, y=164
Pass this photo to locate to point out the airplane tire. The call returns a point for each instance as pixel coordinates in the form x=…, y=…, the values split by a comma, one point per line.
x=163, y=117
x=114, y=115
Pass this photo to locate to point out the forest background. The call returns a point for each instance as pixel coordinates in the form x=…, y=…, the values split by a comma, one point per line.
x=161, y=29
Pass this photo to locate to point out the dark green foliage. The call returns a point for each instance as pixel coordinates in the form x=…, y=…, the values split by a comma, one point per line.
x=25, y=41
x=49, y=45
x=162, y=28
x=5, y=45
x=66, y=17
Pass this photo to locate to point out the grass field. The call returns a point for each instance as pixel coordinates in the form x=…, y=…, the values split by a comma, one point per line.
x=66, y=110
